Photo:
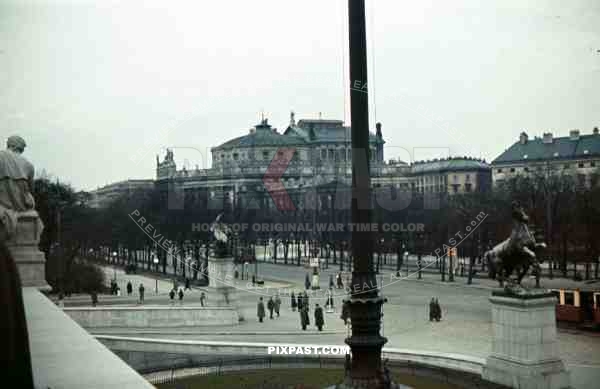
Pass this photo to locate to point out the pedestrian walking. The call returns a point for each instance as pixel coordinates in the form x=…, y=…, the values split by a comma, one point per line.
x=306, y=282
x=141, y=291
x=319, y=320
x=432, y=309
x=300, y=301
x=187, y=284
x=202, y=298
x=270, y=307
x=253, y=279
x=94, y=296
x=172, y=296
x=180, y=296
x=294, y=304
x=305, y=302
x=277, y=304
x=260, y=310
x=331, y=284
x=438, y=310
x=304, y=319
x=118, y=291
x=129, y=288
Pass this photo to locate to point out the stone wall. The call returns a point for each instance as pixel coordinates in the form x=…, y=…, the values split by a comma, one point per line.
x=152, y=317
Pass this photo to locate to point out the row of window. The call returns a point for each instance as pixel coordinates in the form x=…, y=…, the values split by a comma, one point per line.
x=539, y=168
x=444, y=179
x=325, y=155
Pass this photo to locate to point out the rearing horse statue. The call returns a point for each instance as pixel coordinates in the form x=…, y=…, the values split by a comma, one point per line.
x=515, y=254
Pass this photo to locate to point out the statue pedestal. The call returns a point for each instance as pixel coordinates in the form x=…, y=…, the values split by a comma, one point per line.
x=24, y=247
x=524, y=348
x=221, y=280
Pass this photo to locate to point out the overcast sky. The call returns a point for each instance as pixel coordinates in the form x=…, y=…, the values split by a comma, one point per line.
x=97, y=89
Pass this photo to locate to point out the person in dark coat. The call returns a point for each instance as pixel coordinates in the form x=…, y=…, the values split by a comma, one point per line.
x=306, y=303
x=345, y=312
x=129, y=288
x=141, y=290
x=94, y=296
x=432, y=310
x=15, y=356
x=304, y=319
x=180, y=296
x=277, y=304
x=306, y=282
x=438, y=310
x=340, y=283
x=260, y=310
x=294, y=305
x=270, y=307
x=331, y=284
x=300, y=301
x=202, y=298
x=319, y=321
x=187, y=284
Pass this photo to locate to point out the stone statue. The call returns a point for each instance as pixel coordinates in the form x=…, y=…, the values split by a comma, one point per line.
x=516, y=254
x=222, y=237
x=20, y=224
x=16, y=184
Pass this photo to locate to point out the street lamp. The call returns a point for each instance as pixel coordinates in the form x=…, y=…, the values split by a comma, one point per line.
x=114, y=254
x=155, y=260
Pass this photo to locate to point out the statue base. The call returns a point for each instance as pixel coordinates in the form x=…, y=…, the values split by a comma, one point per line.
x=221, y=280
x=23, y=246
x=524, y=348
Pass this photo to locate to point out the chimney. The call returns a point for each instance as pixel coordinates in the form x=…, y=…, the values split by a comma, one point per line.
x=595, y=130
x=574, y=135
x=547, y=137
x=523, y=138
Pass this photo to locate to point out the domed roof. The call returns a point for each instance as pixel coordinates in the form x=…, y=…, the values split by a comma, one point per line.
x=263, y=135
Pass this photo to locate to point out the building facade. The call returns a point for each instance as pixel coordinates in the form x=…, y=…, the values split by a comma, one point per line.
x=576, y=155
x=102, y=197
x=319, y=153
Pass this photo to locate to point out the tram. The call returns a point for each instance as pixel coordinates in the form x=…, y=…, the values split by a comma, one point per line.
x=579, y=306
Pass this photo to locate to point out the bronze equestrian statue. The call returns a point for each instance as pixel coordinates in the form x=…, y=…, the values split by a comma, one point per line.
x=517, y=253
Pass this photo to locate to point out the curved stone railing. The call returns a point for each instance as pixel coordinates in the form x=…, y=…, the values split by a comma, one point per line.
x=451, y=361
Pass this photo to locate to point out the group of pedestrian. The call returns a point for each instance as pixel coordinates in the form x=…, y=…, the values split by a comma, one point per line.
x=274, y=305
x=114, y=288
x=179, y=293
x=435, y=311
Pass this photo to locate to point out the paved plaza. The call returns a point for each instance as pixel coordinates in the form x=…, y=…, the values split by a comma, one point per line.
x=465, y=327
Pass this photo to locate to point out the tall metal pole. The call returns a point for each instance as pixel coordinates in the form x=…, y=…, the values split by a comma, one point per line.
x=365, y=304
